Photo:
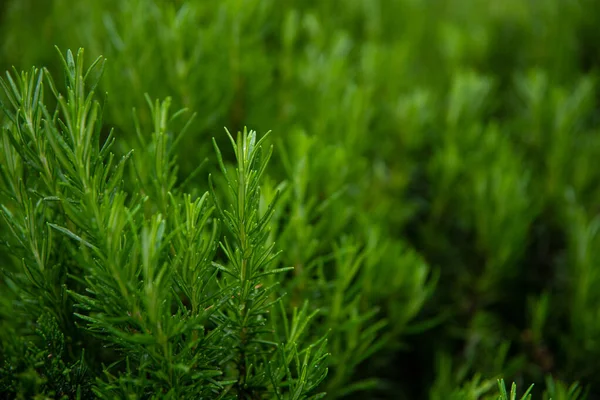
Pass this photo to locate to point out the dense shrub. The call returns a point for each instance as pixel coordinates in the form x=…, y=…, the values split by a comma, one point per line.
x=421, y=221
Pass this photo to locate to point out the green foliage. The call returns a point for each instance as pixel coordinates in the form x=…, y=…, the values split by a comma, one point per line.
x=141, y=279
x=422, y=221
x=31, y=369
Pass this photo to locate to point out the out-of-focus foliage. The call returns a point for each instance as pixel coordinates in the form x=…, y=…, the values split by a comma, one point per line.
x=434, y=168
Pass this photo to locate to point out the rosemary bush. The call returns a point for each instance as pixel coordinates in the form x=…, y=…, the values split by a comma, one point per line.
x=421, y=222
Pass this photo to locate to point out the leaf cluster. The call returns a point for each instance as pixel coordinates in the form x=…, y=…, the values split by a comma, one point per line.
x=130, y=263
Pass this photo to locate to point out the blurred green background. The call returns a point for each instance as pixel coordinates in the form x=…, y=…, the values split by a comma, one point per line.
x=455, y=142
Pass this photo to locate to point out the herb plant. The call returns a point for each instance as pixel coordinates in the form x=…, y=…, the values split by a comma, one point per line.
x=130, y=264
x=421, y=222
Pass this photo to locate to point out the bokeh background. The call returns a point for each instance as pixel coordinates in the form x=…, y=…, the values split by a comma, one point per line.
x=453, y=146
